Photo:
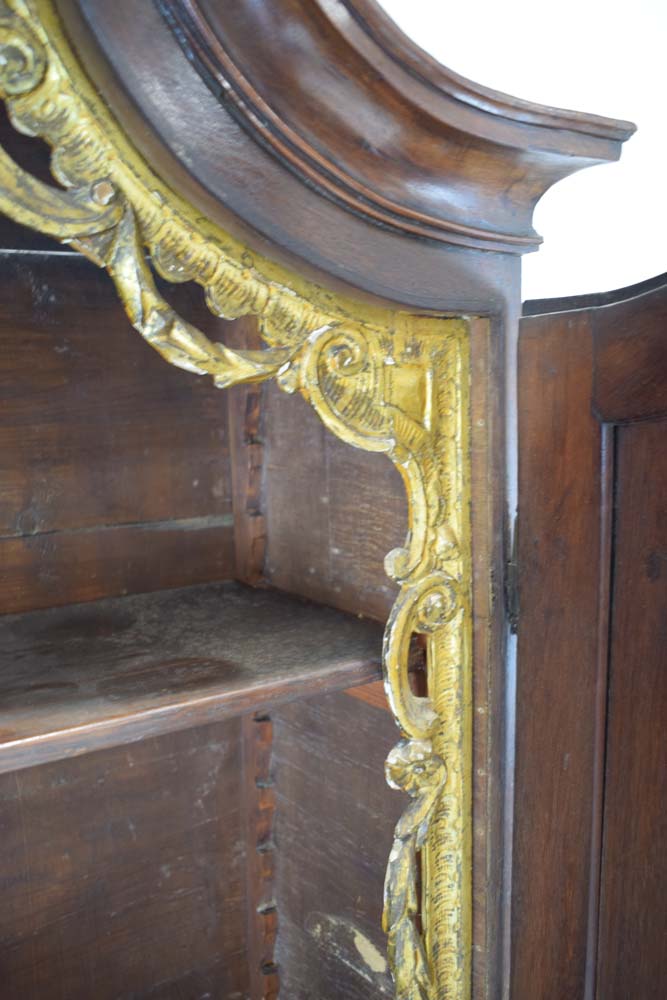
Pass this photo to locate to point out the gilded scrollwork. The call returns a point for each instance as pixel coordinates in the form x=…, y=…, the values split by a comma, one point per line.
x=411, y=767
x=381, y=381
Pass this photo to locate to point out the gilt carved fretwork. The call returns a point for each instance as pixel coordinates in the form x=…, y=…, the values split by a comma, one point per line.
x=417, y=190
x=381, y=380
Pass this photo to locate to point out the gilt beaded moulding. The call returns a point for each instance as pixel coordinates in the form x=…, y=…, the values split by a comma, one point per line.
x=380, y=379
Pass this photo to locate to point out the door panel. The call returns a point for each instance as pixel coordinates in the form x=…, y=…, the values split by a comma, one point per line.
x=589, y=899
x=633, y=919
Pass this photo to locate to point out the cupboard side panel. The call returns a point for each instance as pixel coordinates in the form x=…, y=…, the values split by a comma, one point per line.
x=561, y=663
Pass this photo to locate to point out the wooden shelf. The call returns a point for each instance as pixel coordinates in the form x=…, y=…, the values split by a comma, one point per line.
x=96, y=675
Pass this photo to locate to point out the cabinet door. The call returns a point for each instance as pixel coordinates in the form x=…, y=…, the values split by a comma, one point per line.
x=589, y=899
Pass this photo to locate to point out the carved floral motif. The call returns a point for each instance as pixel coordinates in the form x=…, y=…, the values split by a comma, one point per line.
x=398, y=387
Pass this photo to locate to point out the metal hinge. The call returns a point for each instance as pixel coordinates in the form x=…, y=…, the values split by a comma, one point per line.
x=512, y=582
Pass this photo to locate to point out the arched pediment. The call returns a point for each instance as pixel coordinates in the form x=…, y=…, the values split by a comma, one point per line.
x=320, y=135
x=305, y=164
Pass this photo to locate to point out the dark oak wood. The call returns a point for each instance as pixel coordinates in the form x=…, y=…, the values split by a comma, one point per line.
x=376, y=137
x=491, y=442
x=372, y=694
x=49, y=570
x=353, y=157
x=568, y=303
x=308, y=132
x=123, y=873
x=632, y=957
x=328, y=143
x=332, y=512
x=259, y=805
x=590, y=922
x=115, y=466
x=83, y=396
x=333, y=830
x=116, y=671
x=252, y=827
x=246, y=434
x=631, y=358
x=561, y=658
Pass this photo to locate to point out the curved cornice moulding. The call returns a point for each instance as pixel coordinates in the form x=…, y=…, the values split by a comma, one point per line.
x=344, y=100
x=151, y=157
x=400, y=389
x=406, y=53
x=320, y=138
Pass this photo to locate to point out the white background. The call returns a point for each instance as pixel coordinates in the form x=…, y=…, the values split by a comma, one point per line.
x=604, y=227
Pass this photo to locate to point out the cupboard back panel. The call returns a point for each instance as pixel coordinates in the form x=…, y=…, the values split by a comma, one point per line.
x=332, y=511
x=123, y=873
x=333, y=831
x=114, y=465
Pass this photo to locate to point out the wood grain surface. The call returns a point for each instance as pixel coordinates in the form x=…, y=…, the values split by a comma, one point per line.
x=332, y=512
x=632, y=959
x=631, y=358
x=590, y=881
x=561, y=681
x=115, y=466
x=123, y=873
x=333, y=831
x=119, y=670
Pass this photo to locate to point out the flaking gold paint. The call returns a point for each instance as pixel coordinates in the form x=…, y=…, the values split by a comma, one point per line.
x=381, y=380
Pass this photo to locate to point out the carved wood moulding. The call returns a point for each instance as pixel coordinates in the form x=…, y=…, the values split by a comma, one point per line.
x=383, y=136
x=407, y=159
x=316, y=133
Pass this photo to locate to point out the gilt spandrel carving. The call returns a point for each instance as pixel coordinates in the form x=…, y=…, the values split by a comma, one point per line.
x=381, y=381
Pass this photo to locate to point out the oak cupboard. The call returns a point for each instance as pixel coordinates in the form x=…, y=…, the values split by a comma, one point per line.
x=220, y=595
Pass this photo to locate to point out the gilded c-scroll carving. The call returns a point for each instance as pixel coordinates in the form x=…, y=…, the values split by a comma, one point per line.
x=380, y=380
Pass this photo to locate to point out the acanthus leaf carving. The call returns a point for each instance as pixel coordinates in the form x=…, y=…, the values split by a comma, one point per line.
x=399, y=387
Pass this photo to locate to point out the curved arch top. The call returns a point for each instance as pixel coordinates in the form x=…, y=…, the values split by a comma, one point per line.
x=317, y=128
x=320, y=128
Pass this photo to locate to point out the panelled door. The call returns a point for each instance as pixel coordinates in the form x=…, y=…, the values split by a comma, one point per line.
x=589, y=898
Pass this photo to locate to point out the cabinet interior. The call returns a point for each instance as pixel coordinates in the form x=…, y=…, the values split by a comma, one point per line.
x=193, y=724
